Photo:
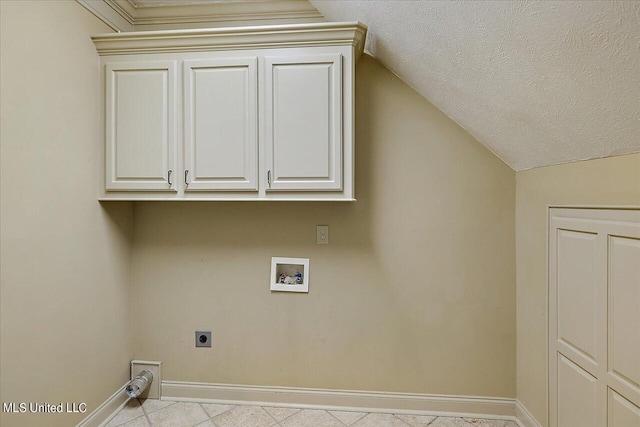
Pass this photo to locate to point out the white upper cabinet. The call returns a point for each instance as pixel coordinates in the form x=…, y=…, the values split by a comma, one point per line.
x=248, y=113
x=140, y=126
x=220, y=124
x=303, y=122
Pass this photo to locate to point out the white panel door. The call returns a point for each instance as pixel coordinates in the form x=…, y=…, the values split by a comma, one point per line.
x=303, y=129
x=140, y=126
x=594, y=317
x=220, y=129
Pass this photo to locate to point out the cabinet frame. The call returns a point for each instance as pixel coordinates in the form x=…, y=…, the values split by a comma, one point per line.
x=344, y=39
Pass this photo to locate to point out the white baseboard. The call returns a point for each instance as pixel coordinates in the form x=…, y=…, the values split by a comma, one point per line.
x=107, y=410
x=524, y=417
x=366, y=401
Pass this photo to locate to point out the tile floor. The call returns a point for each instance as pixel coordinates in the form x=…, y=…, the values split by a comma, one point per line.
x=157, y=413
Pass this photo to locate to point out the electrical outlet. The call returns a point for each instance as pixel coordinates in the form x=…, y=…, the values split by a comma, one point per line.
x=203, y=338
x=322, y=234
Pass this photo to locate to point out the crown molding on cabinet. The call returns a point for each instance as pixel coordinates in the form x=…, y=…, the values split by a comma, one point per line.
x=131, y=15
x=255, y=37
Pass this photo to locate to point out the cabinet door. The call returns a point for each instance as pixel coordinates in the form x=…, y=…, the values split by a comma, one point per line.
x=303, y=129
x=140, y=126
x=220, y=131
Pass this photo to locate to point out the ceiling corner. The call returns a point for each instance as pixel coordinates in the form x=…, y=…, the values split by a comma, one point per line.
x=141, y=15
x=107, y=14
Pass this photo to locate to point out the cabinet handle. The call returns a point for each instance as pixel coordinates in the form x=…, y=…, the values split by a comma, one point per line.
x=269, y=177
x=186, y=175
x=169, y=177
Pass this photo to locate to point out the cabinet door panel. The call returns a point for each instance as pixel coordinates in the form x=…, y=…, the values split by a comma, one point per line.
x=303, y=110
x=221, y=141
x=140, y=125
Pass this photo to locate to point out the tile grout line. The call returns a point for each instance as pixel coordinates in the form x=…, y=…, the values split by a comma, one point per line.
x=331, y=415
x=431, y=422
x=364, y=414
x=145, y=412
x=401, y=420
x=272, y=417
x=287, y=417
x=407, y=422
x=215, y=424
x=207, y=414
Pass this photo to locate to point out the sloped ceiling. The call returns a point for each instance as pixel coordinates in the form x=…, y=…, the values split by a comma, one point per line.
x=537, y=82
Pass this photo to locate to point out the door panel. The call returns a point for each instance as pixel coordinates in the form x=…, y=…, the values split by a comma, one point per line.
x=221, y=138
x=577, y=395
x=577, y=292
x=622, y=413
x=624, y=308
x=303, y=97
x=140, y=125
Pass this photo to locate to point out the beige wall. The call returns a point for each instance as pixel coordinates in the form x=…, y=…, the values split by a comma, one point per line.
x=611, y=181
x=65, y=258
x=415, y=293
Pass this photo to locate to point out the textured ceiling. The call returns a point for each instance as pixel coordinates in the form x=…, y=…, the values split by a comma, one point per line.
x=537, y=82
